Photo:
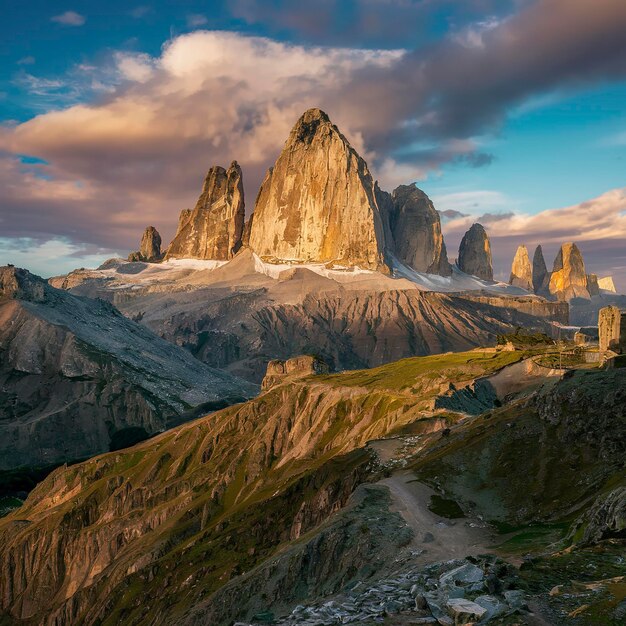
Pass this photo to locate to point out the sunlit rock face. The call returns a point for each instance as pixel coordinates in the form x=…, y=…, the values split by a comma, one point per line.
x=214, y=228
x=475, y=253
x=521, y=270
x=416, y=229
x=318, y=203
x=607, y=284
x=569, y=278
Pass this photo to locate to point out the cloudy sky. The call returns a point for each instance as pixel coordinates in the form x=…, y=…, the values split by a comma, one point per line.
x=511, y=112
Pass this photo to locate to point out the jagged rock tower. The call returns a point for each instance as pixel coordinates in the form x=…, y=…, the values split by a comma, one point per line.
x=415, y=226
x=149, y=248
x=569, y=278
x=213, y=229
x=521, y=270
x=318, y=203
x=475, y=253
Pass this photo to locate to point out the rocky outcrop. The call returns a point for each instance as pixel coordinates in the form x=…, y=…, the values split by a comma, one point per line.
x=612, y=329
x=150, y=247
x=318, y=202
x=475, y=253
x=213, y=229
x=521, y=270
x=541, y=277
x=296, y=367
x=607, y=284
x=605, y=520
x=416, y=230
x=592, y=285
x=77, y=377
x=569, y=278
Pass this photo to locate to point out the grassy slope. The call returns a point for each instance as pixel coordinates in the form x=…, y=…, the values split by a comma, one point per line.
x=211, y=498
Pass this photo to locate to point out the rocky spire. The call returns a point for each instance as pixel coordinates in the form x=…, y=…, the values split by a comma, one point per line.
x=150, y=247
x=318, y=202
x=541, y=277
x=416, y=229
x=475, y=253
x=213, y=229
x=569, y=279
x=521, y=270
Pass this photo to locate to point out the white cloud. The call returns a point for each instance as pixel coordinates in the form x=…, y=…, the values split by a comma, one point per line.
x=195, y=20
x=69, y=18
x=135, y=67
x=28, y=60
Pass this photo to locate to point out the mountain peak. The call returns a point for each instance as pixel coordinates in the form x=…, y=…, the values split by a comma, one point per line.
x=475, y=253
x=318, y=203
x=19, y=284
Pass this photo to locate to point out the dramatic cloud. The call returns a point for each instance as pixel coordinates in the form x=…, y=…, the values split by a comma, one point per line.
x=598, y=226
x=377, y=22
x=134, y=149
x=465, y=84
x=69, y=18
x=140, y=155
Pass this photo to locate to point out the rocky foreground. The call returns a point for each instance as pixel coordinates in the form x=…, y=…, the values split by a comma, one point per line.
x=333, y=496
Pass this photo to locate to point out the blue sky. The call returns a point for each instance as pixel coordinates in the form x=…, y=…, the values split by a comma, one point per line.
x=112, y=113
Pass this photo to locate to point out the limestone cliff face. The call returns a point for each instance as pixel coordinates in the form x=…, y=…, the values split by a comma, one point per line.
x=75, y=373
x=541, y=277
x=213, y=229
x=607, y=284
x=475, y=253
x=569, y=278
x=150, y=247
x=318, y=203
x=521, y=270
x=416, y=229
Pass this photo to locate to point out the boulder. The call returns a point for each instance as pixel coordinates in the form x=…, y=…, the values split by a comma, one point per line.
x=318, y=203
x=213, y=229
x=569, y=278
x=475, y=253
x=464, y=574
x=521, y=270
x=541, y=277
x=465, y=611
x=416, y=230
